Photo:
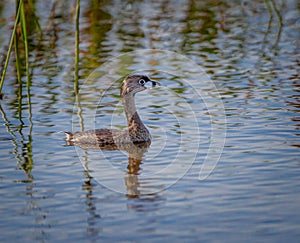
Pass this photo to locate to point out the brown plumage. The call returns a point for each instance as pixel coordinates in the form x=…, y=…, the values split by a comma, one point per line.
x=112, y=138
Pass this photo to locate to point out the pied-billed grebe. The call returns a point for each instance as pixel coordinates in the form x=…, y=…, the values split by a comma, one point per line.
x=136, y=131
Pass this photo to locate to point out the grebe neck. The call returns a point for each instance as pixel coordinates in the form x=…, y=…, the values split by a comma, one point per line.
x=133, y=119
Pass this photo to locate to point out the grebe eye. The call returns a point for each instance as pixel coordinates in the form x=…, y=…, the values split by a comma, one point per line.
x=142, y=81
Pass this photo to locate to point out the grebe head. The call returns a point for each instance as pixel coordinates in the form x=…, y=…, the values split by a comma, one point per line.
x=133, y=84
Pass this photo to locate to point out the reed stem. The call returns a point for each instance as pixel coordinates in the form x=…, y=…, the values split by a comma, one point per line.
x=76, y=69
x=10, y=45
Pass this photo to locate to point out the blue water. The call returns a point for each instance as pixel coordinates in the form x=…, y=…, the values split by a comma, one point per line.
x=250, y=50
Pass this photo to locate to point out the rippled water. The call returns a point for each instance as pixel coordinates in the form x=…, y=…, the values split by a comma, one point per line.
x=250, y=50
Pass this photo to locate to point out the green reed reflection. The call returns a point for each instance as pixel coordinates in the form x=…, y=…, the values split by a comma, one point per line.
x=25, y=15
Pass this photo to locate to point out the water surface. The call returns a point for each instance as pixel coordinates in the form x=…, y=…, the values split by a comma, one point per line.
x=250, y=49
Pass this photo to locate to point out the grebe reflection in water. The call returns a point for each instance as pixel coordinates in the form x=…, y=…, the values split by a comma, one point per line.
x=135, y=140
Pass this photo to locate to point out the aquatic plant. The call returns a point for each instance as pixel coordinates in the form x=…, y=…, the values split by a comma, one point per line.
x=25, y=12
